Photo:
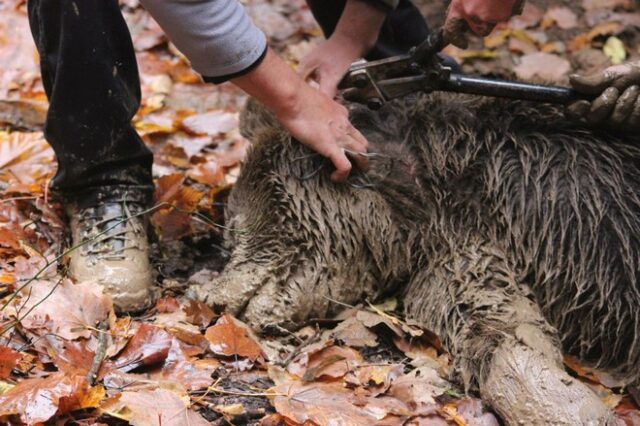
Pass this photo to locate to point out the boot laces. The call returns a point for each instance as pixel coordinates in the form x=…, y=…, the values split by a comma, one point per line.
x=107, y=230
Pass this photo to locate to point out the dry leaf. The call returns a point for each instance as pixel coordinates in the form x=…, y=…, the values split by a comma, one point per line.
x=325, y=404
x=8, y=360
x=190, y=372
x=545, y=67
x=530, y=17
x=418, y=387
x=228, y=338
x=212, y=123
x=333, y=361
x=592, y=374
x=606, y=4
x=561, y=16
x=584, y=40
x=198, y=313
x=174, y=223
x=149, y=346
x=63, y=308
x=159, y=407
x=38, y=400
x=615, y=51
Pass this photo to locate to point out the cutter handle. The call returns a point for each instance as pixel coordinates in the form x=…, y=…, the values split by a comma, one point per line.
x=514, y=90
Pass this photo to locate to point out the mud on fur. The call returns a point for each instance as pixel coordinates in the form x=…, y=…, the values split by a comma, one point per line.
x=511, y=232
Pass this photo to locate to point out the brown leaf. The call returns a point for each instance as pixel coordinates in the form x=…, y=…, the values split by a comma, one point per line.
x=72, y=357
x=167, y=305
x=377, y=376
x=63, y=308
x=211, y=123
x=331, y=404
x=228, y=338
x=333, y=362
x=473, y=411
x=561, y=16
x=606, y=4
x=174, y=223
x=530, y=17
x=545, y=67
x=150, y=345
x=159, y=407
x=198, y=313
x=8, y=360
x=192, y=373
x=38, y=400
x=418, y=387
x=353, y=333
x=592, y=374
x=208, y=173
x=584, y=40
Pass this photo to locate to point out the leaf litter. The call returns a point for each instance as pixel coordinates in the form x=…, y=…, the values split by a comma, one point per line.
x=180, y=362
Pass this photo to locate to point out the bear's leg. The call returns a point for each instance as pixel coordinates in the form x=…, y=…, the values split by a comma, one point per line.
x=471, y=297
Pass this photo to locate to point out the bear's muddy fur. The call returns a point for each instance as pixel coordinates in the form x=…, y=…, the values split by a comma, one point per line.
x=509, y=231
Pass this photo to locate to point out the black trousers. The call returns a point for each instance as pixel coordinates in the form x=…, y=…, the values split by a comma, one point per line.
x=403, y=28
x=91, y=78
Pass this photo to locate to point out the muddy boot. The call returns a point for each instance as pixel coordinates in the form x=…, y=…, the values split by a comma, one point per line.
x=115, y=253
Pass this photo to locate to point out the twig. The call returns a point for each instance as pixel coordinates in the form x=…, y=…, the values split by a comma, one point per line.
x=101, y=351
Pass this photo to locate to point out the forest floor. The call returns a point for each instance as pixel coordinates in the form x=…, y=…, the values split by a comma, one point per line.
x=180, y=363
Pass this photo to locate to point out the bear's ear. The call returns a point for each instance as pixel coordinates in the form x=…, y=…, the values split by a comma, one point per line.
x=255, y=118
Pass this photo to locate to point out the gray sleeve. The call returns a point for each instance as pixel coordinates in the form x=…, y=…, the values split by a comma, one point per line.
x=217, y=36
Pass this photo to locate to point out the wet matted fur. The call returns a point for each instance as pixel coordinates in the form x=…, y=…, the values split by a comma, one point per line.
x=509, y=230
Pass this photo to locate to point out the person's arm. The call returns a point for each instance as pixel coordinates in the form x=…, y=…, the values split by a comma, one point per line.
x=479, y=16
x=223, y=44
x=618, y=102
x=355, y=34
x=308, y=114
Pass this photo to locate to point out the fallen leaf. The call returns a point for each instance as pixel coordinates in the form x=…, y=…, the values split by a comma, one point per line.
x=584, y=40
x=474, y=413
x=208, y=173
x=615, y=50
x=352, y=332
x=159, y=407
x=561, y=16
x=149, y=346
x=192, y=373
x=228, y=338
x=327, y=404
x=379, y=376
x=8, y=360
x=72, y=357
x=530, y=17
x=606, y=4
x=198, y=313
x=418, y=387
x=173, y=223
x=63, y=308
x=38, y=400
x=333, y=362
x=212, y=123
x=592, y=374
x=167, y=305
x=545, y=67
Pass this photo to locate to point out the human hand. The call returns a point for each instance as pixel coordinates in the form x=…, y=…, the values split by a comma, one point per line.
x=327, y=64
x=355, y=34
x=619, y=100
x=323, y=125
x=479, y=16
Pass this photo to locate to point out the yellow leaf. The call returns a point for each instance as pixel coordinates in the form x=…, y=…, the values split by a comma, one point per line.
x=615, y=51
x=93, y=398
x=5, y=387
